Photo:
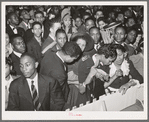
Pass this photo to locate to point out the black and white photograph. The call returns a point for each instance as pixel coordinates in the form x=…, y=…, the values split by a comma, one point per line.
x=83, y=60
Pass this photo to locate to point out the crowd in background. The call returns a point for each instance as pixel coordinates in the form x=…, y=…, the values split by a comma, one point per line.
x=78, y=53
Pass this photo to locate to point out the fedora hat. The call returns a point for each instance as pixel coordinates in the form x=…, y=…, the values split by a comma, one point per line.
x=87, y=38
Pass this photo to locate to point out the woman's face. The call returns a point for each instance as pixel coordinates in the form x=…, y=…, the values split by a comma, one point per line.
x=120, y=57
x=67, y=22
x=7, y=70
x=81, y=43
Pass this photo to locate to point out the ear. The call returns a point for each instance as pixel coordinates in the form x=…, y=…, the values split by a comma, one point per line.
x=32, y=31
x=36, y=64
x=12, y=46
x=10, y=67
x=125, y=35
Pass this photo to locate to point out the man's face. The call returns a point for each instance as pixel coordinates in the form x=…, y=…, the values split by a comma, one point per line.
x=61, y=39
x=14, y=19
x=99, y=14
x=39, y=18
x=119, y=35
x=89, y=24
x=78, y=22
x=131, y=36
x=37, y=30
x=95, y=34
x=131, y=22
x=28, y=67
x=19, y=45
x=120, y=18
x=25, y=15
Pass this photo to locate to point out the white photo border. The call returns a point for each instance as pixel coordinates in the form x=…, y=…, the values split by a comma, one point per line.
x=65, y=115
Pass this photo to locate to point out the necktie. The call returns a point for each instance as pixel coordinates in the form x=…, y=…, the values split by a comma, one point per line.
x=35, y=97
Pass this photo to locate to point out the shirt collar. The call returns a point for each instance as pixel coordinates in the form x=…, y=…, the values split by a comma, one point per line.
x=12, y=27
x=34, y=79
x=17, y=54
x=60, y=57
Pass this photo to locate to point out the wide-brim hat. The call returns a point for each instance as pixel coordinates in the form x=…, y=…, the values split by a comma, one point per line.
x=111, y=25
x=88, y=38
x=65, y=12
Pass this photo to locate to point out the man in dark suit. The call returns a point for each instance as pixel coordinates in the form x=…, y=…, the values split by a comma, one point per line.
x=54, y=25
x=19, y=48
x=38, y=17
x=53, y=64
x=12, y=28
x=33, y=91
x=34, y=46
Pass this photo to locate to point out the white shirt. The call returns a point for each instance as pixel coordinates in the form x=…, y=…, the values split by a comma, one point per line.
x=61, y=59
x=14, y=29
x=29, y=81
x=17, y=54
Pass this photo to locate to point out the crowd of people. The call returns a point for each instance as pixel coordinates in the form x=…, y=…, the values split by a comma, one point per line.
x=57, y=57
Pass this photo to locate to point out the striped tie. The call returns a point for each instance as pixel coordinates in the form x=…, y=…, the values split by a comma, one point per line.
x=35, y=97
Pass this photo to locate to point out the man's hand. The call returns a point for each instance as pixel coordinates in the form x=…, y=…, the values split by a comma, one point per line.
x=81, y=88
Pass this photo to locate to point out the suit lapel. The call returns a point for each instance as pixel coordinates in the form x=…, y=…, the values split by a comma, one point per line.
x=26, y=91
x=41, y=88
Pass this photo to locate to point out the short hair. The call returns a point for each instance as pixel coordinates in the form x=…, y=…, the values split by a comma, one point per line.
x=54, y=20
x=94, y=27
x=108, y=50
x=8, y=16
x=36, y=23
x=60, y=31
x=101, y=19
x=29, y=55
x=90, y=18
x=72, y=49
x=13, y=37
x=132, y=29
x=120, y=26
x=39, y=12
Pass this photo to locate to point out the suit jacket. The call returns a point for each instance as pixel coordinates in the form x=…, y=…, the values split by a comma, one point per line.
x=22, y=25
x=10, y=31
x=48, y=41
x=52, y=65
x=29, y=35
x=34, y=48
x=16, y=63
x=50, y=96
